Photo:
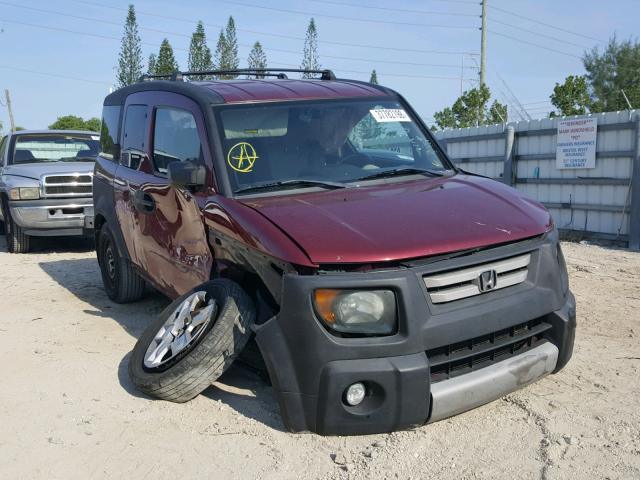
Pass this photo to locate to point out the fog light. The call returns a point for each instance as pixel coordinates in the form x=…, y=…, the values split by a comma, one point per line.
x=355, y=394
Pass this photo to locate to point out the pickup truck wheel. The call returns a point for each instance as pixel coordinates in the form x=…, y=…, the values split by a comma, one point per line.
x=17, y=240
x=193, y=341
x=121, y=282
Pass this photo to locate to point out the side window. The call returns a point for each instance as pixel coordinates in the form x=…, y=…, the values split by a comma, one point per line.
x=135, y=128
x=175, y=138
x=3, y=149
x=109, y=147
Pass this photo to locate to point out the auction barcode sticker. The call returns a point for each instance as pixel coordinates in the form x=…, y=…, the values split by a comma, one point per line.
x=390, y=115
x=95, y=137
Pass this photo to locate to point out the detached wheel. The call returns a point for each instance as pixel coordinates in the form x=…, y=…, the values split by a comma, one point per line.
x=121, y=282
x=17, y=240
x=193, y=341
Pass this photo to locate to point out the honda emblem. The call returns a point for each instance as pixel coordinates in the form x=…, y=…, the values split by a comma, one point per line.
x=487, y=280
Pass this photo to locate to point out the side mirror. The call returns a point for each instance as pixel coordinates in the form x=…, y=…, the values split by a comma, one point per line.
x=186, y=174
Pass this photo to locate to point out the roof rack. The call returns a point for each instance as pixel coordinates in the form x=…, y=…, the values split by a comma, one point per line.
x=264, y=72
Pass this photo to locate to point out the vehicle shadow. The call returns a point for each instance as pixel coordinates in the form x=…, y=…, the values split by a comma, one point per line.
x=81, y=277
x=247, y=393
x=41, y=245
x=240, y=388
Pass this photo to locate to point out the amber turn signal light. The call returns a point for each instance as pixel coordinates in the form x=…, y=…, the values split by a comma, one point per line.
x=324, y=300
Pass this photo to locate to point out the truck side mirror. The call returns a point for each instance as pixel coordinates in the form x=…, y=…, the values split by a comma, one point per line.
x=186, y=174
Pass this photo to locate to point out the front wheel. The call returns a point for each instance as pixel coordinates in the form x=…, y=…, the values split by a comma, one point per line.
x=193, y=341
x=17, y=240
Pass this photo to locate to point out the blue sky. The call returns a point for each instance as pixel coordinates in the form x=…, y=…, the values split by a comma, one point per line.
x=429, y=80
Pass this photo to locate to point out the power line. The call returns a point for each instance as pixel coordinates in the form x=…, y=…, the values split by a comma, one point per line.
x=508, y=12
x=281, y=35
x=341, y=17
x=49, y=74
x=65, y=30
x=537, y=103
x=537, y=33
x=400, y=75
x=533, y=44
x=167, y=32
x=401, y=10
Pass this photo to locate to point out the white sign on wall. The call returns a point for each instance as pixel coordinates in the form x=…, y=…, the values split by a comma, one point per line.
x=576, y=146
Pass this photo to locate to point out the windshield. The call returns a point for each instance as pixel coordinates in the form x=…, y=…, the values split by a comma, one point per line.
x=59, y=147
x=308, y=144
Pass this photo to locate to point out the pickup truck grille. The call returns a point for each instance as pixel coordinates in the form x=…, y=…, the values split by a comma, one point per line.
x=469, y=281
x=57, y=186
x=463, y=357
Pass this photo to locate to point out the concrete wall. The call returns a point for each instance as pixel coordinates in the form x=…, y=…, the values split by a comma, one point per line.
x=597, y=203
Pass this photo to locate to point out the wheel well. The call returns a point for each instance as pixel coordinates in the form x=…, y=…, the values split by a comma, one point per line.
x=98, y=222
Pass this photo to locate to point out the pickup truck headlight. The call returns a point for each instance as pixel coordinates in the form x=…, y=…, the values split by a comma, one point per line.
x=24, y=193
x=365, y=312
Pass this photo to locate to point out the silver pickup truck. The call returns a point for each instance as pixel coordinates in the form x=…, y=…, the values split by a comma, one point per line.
x=46, y=184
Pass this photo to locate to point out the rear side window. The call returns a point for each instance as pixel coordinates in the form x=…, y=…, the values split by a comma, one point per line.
x=175, y=138
x=135, y=131
x=135, y=127
x=109, y=133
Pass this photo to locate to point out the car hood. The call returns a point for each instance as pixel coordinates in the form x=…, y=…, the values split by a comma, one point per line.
x=404, y=220
x=35, y=170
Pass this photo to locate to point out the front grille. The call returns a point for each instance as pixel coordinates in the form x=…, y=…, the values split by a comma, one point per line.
x=463, y=357
x=466, y=282
x=67, y=185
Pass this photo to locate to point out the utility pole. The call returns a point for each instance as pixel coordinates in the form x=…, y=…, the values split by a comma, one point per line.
x=11, y=122
x=462, y=77
x=483, y=45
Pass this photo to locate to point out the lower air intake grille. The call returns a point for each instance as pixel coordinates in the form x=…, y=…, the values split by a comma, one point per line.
x=463, y=357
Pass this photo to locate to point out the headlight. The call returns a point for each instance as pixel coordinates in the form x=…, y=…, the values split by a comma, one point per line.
x=368, y=312
x=24, y=193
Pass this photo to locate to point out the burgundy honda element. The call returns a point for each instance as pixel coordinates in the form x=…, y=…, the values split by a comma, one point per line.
x=385, y=287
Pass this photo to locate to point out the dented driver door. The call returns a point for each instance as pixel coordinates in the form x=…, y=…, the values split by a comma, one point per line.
x=169, y=227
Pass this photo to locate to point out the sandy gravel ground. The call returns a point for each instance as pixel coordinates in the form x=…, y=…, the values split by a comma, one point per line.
x=68, y=410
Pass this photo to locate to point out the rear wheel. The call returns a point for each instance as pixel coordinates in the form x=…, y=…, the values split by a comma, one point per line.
x=121, y=282
x=193, y=341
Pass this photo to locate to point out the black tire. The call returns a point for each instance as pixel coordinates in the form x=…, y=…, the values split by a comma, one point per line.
x=202, y=362
x=121, y=282
x=17, y=240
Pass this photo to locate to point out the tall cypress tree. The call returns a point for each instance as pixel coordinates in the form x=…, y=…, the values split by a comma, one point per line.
x=199, y=53
x=231, y=48
x=151, y=64
x=219, y=56
x=226, y=56
x=130, y=58
x=166, y=63
x=374, y=77
x=257, y=59
x=310, y=57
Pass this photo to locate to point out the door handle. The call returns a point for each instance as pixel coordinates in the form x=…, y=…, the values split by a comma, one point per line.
x=143, y=202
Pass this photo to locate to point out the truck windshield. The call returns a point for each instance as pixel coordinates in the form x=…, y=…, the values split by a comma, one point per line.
x=37, y=148
x=270, y=146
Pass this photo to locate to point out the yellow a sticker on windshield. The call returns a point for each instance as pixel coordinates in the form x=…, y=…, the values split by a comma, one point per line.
x=241, y=157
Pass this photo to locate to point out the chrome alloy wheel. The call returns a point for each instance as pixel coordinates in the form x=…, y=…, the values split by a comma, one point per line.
x=184, y=326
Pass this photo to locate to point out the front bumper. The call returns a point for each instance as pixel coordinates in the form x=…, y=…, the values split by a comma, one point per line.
x=310, y=368
x=52, y=217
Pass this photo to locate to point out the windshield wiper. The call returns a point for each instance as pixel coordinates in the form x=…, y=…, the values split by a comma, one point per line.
x=404, y=171
x=294, y=182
